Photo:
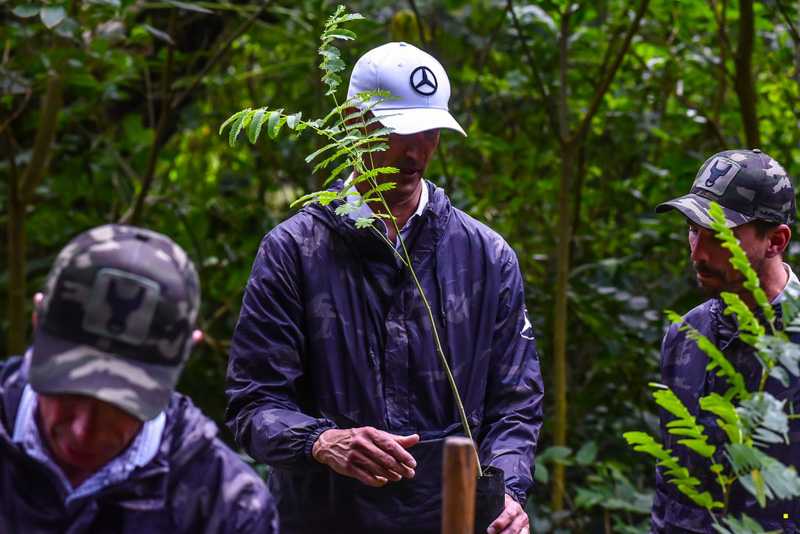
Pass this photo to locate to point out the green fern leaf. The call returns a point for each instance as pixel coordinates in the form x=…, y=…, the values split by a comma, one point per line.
x=364, y=222
x=340, y=33
x=337, y=171
x=322, y=150
x=345, y=209
x=306, y=199
x=743, y=525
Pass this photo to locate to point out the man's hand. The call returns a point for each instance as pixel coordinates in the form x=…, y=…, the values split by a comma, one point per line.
x=370, y=455
x=513, y=520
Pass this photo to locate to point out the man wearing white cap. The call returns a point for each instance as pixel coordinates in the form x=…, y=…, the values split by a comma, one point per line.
x=334, y=380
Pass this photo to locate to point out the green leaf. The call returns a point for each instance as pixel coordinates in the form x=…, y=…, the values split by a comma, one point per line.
x=309, y=198
x=364, y=222
x=729, y=420
x=232, y=118
x=344, y=209
x=158, y=34
x=26, y=10
x=274, y=123
x=188, y=6
x=587, y=454
x=743, y=525
x=292, y=121
x=316, y=153
x=52, y=15
x=255, y=124
x=557, y=454
x=541, y=474
x=340, y=33
x=758, y=483
x=335, y=172
x=237, y=126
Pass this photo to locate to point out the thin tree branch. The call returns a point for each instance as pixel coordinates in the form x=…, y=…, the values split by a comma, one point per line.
x=609, y=75
x=789, y=22
x=483, y=58
x=134, y=212
x=420, y=25
x=222, y=50
x=18, y=111
x=550, y=107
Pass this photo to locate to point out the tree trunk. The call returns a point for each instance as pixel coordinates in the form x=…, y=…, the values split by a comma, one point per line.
x=564, y=232
x=743, y=77
x=20, y=197
x=569, y=148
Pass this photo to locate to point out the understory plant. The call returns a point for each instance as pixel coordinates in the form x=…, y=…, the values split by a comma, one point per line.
x=751, y=420
x=352, y=134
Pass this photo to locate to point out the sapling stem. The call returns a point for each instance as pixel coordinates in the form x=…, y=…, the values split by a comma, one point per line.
x=406, y=259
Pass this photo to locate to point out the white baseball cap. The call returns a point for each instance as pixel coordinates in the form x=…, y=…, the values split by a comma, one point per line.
x=415, y=77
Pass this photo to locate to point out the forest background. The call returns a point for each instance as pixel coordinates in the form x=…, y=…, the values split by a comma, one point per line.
x=582, y=116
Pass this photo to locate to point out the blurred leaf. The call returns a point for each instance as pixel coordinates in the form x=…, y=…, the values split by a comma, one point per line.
x=26, y=10
x=52, y=15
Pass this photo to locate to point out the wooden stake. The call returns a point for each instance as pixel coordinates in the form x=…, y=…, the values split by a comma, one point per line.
x=458, y=491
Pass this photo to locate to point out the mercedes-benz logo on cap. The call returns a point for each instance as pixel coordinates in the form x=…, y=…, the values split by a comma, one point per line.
x=423, y=81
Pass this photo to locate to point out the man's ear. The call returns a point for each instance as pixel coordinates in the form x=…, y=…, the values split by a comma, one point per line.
x=197, y=336
x=778, y=240
x=37, y=299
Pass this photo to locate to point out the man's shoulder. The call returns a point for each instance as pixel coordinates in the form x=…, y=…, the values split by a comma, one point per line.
x=465, y=226
x=13, y=377
x=199, y=458
x=699, y=318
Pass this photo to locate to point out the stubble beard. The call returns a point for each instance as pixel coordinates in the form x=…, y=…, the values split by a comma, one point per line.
x=731, y=281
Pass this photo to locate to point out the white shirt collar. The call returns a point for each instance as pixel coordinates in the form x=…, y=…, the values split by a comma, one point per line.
x=792, y=287
x=364, y=211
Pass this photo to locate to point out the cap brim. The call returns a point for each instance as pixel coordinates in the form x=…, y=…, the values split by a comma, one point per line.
x=415, y=120
x=60, y=366
x=696, y=209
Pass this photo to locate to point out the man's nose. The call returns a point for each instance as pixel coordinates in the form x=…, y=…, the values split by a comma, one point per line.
x=83, y=422
x=699, y=243
x=414, y=143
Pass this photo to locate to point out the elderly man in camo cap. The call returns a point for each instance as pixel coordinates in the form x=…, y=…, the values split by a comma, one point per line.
x=757, y=197
x=93, y=436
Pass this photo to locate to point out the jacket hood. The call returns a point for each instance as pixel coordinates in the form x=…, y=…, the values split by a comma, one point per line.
x=187, y=432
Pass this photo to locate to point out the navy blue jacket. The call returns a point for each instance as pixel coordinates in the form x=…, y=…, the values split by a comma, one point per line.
x=333, y=334
x=194, y=484
x=683, y=369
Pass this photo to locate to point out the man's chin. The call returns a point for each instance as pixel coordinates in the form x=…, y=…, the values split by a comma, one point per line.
x=706, y=291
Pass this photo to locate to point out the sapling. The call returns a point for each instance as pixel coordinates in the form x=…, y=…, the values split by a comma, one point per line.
x=352, y=134
x=751, y=420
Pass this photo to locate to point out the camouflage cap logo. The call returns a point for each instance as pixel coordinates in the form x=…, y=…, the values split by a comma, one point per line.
x=717, y=175
x=121, y=306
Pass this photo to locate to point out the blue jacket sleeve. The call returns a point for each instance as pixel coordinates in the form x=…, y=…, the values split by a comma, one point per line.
x=265, y=379
x=513, y=406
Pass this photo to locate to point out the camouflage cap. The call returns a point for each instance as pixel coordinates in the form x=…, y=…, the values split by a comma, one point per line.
x=116, y=320
x=748, y=184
